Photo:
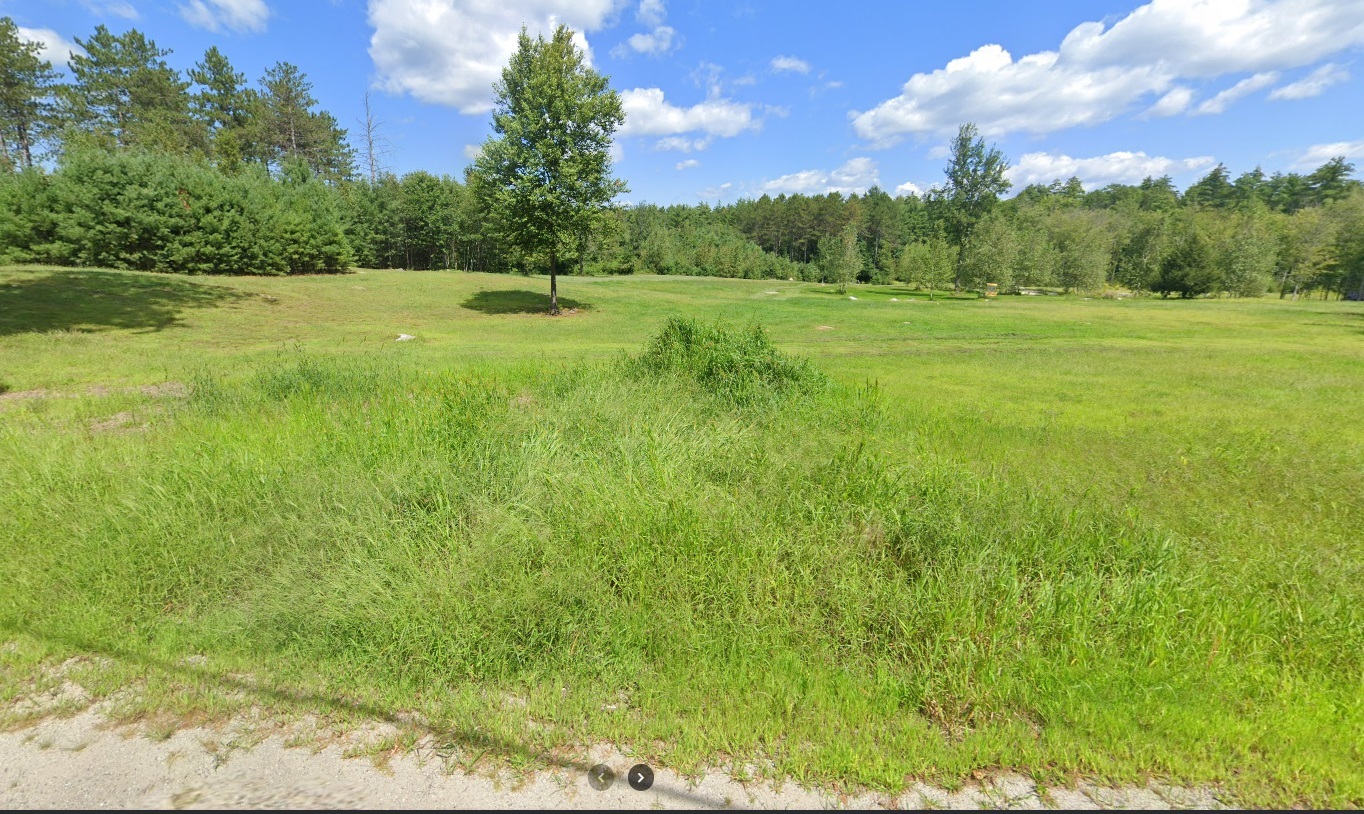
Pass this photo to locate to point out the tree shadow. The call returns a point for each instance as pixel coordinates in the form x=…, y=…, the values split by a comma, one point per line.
x=512, y=301
x=91, y=301
x=469, y=740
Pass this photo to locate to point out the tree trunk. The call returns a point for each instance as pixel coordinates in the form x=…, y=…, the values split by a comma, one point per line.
x=553, y=282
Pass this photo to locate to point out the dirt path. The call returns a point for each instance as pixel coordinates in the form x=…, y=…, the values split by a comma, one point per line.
x=85, y=762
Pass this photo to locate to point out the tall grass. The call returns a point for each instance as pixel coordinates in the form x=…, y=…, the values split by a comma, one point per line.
x=710, y=531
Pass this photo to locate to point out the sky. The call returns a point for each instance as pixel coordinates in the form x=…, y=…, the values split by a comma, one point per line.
x=740, y=98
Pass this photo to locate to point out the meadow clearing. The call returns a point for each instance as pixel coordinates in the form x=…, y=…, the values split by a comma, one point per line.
x=1067, y=536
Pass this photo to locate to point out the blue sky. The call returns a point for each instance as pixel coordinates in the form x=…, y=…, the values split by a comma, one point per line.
x=735, y=99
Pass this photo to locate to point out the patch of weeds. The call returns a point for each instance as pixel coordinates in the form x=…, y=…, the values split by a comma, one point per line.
x=738, y=365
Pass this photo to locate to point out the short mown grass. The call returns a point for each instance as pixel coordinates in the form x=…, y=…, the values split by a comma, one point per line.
x=991, y=538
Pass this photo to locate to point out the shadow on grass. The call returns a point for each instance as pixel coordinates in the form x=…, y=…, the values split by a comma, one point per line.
x=302, y=701
x=518, y=302
x=92, y=301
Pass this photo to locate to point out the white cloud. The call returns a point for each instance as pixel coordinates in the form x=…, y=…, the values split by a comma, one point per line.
x=908, y=188
x=1114, y=168
x=683, y=144
x=688, y=164
x=1098, y=73
x=237, y=15
x=651, y=12
x=1313, y=84
x=855, y=175
x=940, y=151
x=1319, y=154
x=717, y=193
x=1221, y=101
x=55, y=48
x=1176, y=101
x=450, y=52
x=781, y=64
x=111, y=8
x=648, y=113
x=473, y=151
x=659, y=42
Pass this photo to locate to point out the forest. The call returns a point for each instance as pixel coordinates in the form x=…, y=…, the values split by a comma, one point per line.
x=128, y=163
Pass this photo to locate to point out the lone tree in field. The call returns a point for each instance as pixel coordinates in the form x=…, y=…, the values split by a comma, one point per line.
x=546, y=173
x=975, y=180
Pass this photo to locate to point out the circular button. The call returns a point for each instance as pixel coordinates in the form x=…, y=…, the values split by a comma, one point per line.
x=600, y=777
x=641, y=777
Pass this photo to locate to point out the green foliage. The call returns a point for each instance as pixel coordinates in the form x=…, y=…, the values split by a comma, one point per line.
x=140, y=210
x=27, y=111
x=975, y=180
x=124, y=94
x=546, y=173
x=839, y=260
x=1082, y=249
x=990, y=255
x=1188, y=268
x=930, y=264
x=1248, y=259
x=738, y=366
x=286, y=128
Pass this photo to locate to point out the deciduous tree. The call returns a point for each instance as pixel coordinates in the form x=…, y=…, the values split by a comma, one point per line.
x=546, y=171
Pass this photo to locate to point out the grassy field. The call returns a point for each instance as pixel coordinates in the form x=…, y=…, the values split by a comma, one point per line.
x=1074, y=537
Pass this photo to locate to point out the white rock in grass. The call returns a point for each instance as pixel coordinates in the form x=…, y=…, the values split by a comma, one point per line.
x=852, y=298
x=894, y=299
x=405, y=337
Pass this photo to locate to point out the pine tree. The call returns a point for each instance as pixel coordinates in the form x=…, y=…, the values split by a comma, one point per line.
x=124, y=94
x=288, y=129
x=223, y=105
x=27, y=83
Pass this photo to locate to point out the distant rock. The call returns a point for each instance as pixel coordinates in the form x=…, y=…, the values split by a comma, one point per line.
x=852, y=298
x=405, y=337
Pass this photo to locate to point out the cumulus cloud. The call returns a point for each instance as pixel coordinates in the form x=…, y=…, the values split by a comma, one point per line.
x=55, y=48
x=1172, y=104
x=908, y=188
x=648, y=113
x=1221, y=101
x=1313, y=84
x=473, y=151
x=236, y=15
x=651, y=12
x=1100, y=72
x=791, y=64
x=1114, y=168
x=855, y=175
x=450, y=53
x=688, y=164
x=660, y=40
x=1319, y=154
x=655, y=43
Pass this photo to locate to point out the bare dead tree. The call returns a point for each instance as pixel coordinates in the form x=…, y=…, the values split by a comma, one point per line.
x=376, y=146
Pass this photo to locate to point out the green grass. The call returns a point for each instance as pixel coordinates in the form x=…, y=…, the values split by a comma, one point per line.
x=1071, y=537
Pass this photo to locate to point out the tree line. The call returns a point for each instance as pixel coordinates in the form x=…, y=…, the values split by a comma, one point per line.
x=128, y=163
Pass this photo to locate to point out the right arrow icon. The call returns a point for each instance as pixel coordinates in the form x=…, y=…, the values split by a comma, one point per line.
x=641, y=777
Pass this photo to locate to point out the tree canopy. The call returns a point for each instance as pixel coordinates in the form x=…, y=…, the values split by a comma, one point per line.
x=546, y=173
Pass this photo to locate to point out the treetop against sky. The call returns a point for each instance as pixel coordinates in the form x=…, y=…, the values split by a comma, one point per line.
x=726, y=100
